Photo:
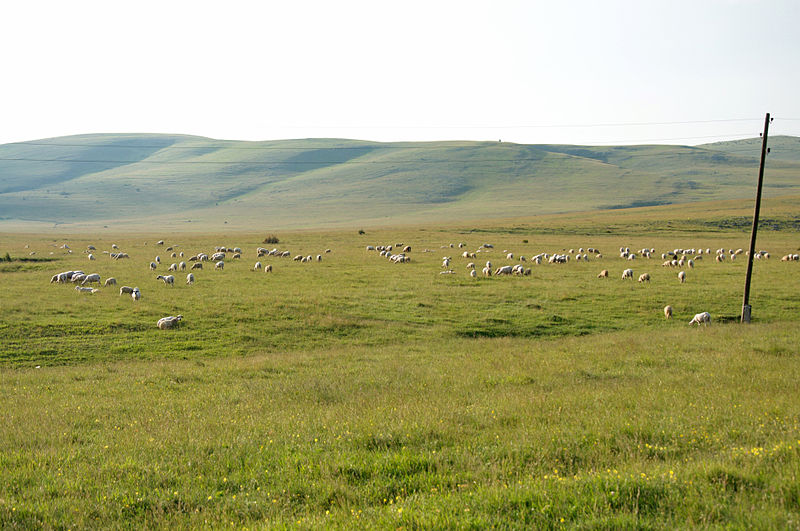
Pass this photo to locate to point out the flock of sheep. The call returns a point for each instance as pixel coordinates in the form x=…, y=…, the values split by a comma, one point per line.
x=217, y=257
x=682, y=259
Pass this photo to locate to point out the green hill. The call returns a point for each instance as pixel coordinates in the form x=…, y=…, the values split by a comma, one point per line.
x=141, y=181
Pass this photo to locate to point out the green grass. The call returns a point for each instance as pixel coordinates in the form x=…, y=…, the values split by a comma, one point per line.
x=354, y=393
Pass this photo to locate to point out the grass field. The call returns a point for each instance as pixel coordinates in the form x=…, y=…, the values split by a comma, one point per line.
x=354, y=392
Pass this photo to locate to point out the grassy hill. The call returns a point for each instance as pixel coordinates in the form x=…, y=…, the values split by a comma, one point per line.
x=142, y=181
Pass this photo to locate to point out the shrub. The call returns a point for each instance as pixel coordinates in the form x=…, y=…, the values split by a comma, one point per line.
x=271, y=239
x=361, y=231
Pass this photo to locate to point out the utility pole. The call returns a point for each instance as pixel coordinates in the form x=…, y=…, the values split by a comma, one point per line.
x=746, y=302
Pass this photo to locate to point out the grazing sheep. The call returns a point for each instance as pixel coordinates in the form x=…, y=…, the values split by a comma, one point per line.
x=190, y=278
x=473, y=273
x=504, y=270
x=690, y=263
x=172, y=267
x=169, y=322
x=667, y=312
x=153, y=266
x=471, y=265
x=182, y=266
x=236, y=255
x=219, y=265
x=445, y=262
x=110, y=281
x=158, y=259
x=80, y=289
x=173, y=255
x=257, y=266
x=160, y=242
x=88, y=279
x=168, y=279
x=77, y=277
x=644, y=277
x=603, y=274
x=704, y=317
x=628, y=273
x=125, y=289
x=682, y=276
x=197, y=265
x=487, y=271
x=91, y=256
x=136, y=294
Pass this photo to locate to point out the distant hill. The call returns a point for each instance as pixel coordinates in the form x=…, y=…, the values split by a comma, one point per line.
x=138, y=181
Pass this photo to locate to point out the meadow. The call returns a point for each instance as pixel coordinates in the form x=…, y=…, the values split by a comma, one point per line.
x=353, y=392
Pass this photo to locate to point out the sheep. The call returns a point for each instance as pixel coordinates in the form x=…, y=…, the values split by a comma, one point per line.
x=172, y=267
x=110, y=281
x=160, y=242
x=268, y=268
x=603, y=274
x=504, y=270
x=682, y=276
x=704, y=318
x=153, y=266
x=644, y=277
x=406, y=249
x=182, y=266
x=125, y=289
x=91, y=256
x=487, y=271
x=114, y=246
x=136, y=294
x=445, y=262
x=190, y=278
x=473, y=273
x=219, y=265
x=236, y=255
x=80, y=289
x=257, y=266
x=628, y=273
x=319, y=258
x=197, y=265
x=217, y=257
x=77, y=277
x=510, y=256
x=94, y=277
x=471, y=265
x=157, y=259
x=690, y=263
x=168, y=279
x=667, y=312
x=169, y=322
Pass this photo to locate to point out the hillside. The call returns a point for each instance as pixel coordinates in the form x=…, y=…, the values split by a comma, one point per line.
x=138, y=181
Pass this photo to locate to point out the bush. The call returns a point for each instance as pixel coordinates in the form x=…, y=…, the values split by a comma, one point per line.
x=271, y=239
x=6, y=258
x=360, y=231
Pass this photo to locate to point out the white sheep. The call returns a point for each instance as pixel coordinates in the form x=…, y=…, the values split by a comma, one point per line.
x=91, y=256
x=182, y=266
x=445, y=262
x=153, y=266
x=197, y=265
x=644, y=277
x=136, y=294
x=125, y=289
x=628, y=273
x=473, y=273
x=158, y=259
x=88, y=279
x=268, y=268
x=190, y=278
x=168, y=279
x=219, y=265
x=603, y=274
x=169, y=322
x=172, y=267
x=504, y=270
x=704, y=317
x=682, y=276
x=257, y=266
x=110, y=281
x=667, y=311
x=80, y=289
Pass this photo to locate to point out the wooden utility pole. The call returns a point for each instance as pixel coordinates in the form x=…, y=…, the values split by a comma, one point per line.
x=750, y=256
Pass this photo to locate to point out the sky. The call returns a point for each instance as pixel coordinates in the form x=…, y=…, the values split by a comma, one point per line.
x=575, y=72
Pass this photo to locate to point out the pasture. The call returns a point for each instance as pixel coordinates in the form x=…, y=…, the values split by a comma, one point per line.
x=355, y=392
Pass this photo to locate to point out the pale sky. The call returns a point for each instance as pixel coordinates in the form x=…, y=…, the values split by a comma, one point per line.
x=578, y=72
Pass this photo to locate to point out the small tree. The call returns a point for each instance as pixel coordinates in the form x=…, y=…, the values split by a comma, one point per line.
x=271, y=239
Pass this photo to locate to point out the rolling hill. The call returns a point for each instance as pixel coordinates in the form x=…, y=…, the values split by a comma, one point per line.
x=178, y=182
